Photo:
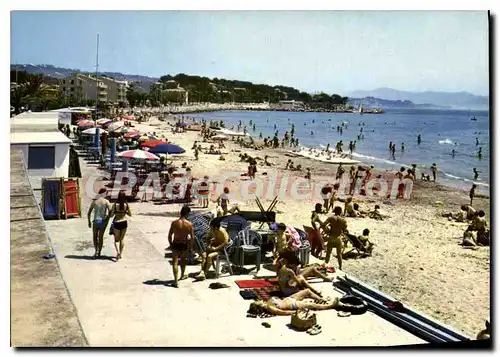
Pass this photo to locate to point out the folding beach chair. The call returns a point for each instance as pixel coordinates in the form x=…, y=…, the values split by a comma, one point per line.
x=357, y=246
x=266, y=212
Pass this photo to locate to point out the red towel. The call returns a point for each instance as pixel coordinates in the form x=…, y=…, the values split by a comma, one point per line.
x=250, y=284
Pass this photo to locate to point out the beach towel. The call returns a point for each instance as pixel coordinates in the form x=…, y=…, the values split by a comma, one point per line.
x=296, y=243
x=254, y=283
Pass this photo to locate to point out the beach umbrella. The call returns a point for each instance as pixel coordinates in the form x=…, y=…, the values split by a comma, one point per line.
x=138, y=155
x=103, y=121
x=132, y=134
x=125, y=130
x=128, y=117
x=220, y=137
x=115, y=126
x=152, y=143
x=84, y=123
x=92, y=131
x=166, y=148
x=147, y=137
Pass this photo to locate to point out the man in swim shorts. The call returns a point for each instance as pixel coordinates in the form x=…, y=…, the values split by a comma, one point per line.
x=181, y=238
x=337, y=226
x=219, y=240
x=101, y=208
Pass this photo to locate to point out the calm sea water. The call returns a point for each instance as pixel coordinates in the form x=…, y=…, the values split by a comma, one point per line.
x=441, y=132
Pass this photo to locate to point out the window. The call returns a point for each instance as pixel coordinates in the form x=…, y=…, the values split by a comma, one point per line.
x=80, y=82
x=72, y=89
x=64, y=89
x=64, y=81
x=72, y=81
x=41, y=157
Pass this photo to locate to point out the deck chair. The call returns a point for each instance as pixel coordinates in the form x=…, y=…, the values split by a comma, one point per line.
x=357, y=246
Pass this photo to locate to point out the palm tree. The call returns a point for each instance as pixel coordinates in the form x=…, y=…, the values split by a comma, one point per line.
x=31, y=90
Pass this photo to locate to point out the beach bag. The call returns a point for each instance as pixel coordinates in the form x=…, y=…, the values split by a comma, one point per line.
x=296, y=243
x=303, y=320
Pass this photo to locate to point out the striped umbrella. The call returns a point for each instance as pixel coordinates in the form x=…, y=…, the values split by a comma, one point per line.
x=84, y=123
x=92, y=131
x=138, y=155
x=115, y=126
x=132, y=134
x=103, y=121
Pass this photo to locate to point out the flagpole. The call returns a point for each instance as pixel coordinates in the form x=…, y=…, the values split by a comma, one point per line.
x=97, y=80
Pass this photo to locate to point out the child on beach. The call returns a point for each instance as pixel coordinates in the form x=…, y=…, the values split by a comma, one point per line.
x=223, y=201
x=434, y=172
x=365, y=240
x=472, y=193
x=203, y=191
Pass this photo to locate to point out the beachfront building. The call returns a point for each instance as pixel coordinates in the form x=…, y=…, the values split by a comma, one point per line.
x=84, y=87
x=287, y=105
x=117, y=90
x=45, y=149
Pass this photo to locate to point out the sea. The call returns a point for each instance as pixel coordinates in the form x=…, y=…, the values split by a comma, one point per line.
x=441, y=132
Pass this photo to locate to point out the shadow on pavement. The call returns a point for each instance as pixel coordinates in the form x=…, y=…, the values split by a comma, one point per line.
x=90, y=257
x=159, y=282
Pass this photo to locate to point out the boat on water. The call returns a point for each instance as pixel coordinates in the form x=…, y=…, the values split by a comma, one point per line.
x=473, y=119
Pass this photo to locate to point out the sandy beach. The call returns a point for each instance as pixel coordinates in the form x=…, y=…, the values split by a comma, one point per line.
x=417, y=259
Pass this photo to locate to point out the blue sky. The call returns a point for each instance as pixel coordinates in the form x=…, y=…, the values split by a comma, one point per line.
x=327, y=51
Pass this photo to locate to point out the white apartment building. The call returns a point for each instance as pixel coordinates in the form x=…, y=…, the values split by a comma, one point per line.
x=84, y=87
x=117, y=90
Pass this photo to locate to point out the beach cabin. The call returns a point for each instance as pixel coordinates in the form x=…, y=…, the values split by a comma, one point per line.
x=45, y=149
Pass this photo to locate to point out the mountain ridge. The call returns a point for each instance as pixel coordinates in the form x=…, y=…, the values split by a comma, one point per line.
x=463, y=99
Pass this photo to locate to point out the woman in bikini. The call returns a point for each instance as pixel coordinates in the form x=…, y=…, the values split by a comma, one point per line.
x=315, y=239
x=288, y=306
x=120, y=211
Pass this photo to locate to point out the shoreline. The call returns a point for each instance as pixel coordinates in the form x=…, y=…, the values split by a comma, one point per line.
x=444, y=179
x=215, y=107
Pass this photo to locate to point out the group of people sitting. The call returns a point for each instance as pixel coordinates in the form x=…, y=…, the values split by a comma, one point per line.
x=477, y=232
x=290, y=166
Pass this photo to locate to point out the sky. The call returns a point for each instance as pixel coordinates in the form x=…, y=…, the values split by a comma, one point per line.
x=331, y=51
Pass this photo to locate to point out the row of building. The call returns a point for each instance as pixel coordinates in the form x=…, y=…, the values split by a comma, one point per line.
x=103, y=89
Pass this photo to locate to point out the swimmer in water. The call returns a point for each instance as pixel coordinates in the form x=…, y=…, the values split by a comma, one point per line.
x=453, y=153
x=419, y=139
x=476, y=173
x=477, y=141
x=402, y=146
x=312, y=133
x=480, y=153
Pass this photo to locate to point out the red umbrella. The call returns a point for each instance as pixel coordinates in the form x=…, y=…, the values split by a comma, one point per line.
x=132, y=134
x=152, y=143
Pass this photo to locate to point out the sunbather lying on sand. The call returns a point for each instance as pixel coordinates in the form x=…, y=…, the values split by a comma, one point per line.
x=289, y=305
x=460, y=216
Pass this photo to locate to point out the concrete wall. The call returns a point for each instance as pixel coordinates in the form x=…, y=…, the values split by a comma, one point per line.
x=61, y=163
